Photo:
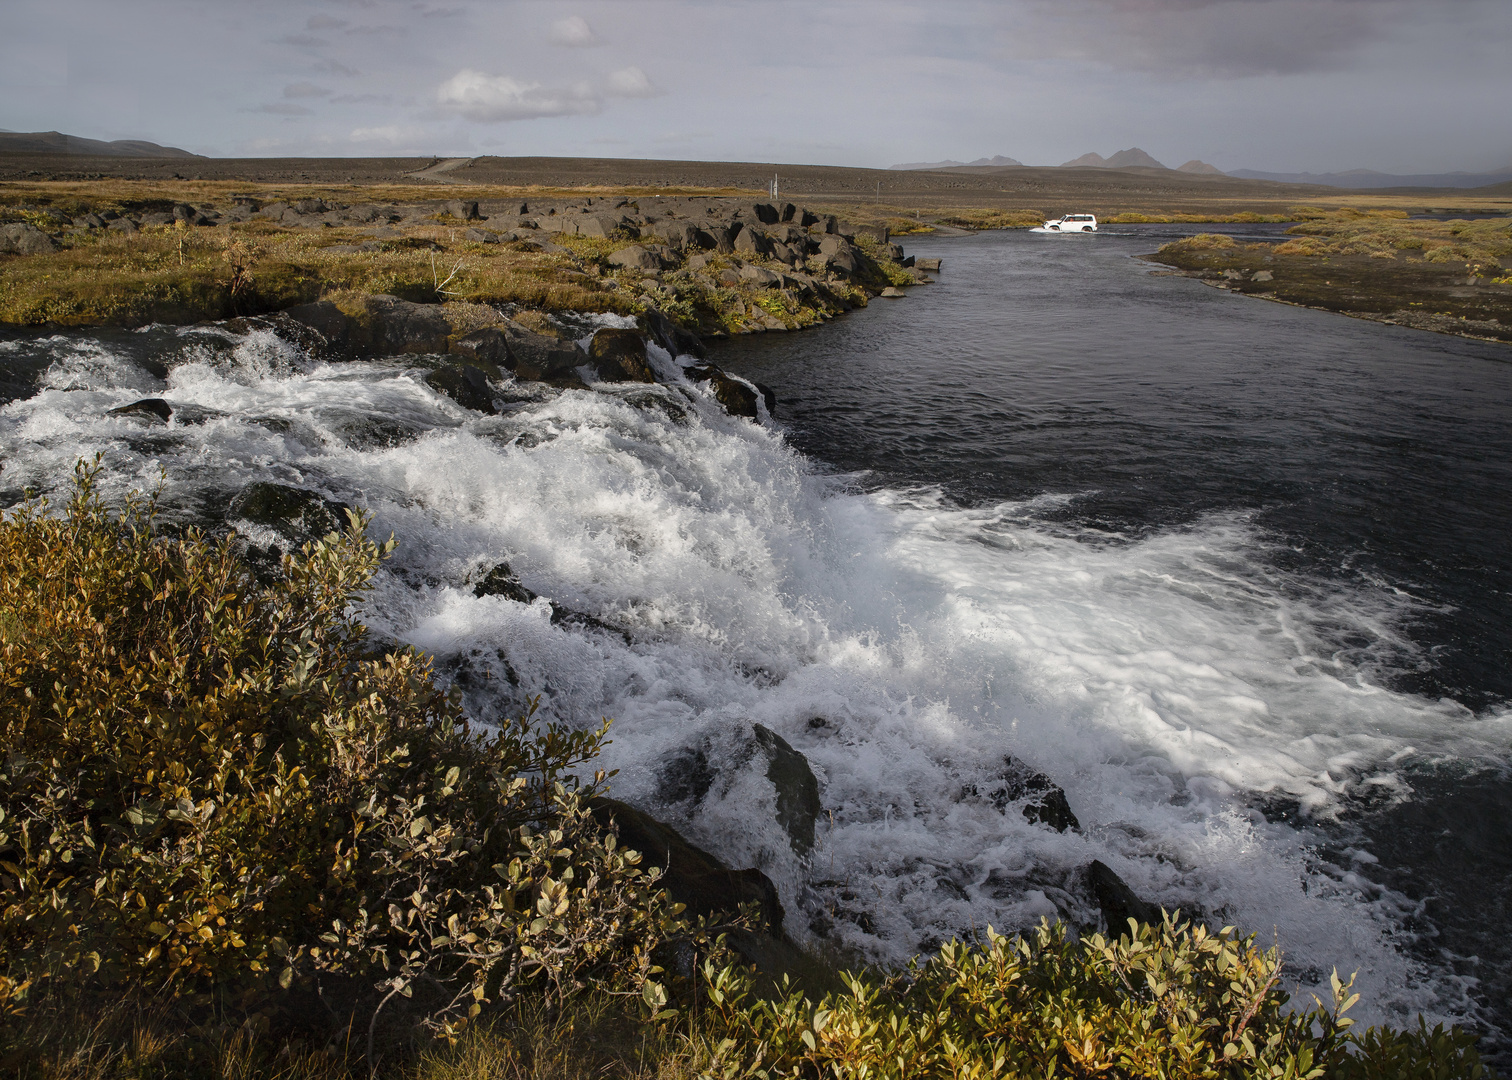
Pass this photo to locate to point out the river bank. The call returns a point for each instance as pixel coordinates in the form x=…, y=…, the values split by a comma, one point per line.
x=1450, y=277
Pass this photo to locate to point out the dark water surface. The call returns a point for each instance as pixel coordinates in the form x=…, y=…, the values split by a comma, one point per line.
x=1376, y=455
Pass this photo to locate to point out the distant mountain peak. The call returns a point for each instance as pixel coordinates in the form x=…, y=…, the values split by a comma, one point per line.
x=1133, y=157
x=1202, y=167
x=950, y=163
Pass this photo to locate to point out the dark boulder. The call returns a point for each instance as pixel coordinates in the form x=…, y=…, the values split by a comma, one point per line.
x=481, y=236
x=147, y=408
x=310, y=206
x=467, y=384
x=464, y=210
x=541, y=358
x=620, y=356
x=122, y=225
x=685, y=776
x=20, y=238
x=1117, y=901
x=751, y=242
x=400, y=326
x=691, y=875
x=765, y=213
x=326, y=319
x=297, y=513
x=644, y=257
x=487, y=346
x=157, y=217
x=798, y=805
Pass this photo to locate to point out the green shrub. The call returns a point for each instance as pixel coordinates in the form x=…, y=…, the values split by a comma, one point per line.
x=207, y=782
x=1172, y=1001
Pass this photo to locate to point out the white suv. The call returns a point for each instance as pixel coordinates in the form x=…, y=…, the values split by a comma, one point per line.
x=1073, y=223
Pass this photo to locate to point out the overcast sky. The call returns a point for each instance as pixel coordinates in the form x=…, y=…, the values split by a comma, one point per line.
x=1288, y=85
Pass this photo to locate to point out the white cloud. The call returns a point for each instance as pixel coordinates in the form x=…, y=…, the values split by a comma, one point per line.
x=631, y=82
x=573, y=31
x=497, y=98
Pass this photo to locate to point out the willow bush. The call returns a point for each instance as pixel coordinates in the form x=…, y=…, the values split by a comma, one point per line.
x=1175, y=1001
x=210, y=782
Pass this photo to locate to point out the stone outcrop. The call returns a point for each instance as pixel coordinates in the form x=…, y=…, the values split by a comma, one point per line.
x=21, y=238
x=1043, y=802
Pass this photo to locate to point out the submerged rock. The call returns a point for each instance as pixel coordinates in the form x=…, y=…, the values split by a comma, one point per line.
x=501, y=581
x=736, y=395
x=467, y=384
x=298, y=513
x=152, y=407
x=1044, y=800
x=798, y=805
x=688, y=775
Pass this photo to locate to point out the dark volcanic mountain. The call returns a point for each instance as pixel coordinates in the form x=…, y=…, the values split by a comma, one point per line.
x=55, y=142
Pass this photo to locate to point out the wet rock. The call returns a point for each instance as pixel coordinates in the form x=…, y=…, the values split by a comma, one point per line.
x=677, y=340
x=685, y=777
x=691, y=875
x=296, y=512
x=1044, y=801
x=798, y=805
x=467, y=384
x=541, y=358
x=20, y=238
x=1117, y=901
x=154, y=408
x=620, y=356
x=736, y=395
x=501, y=581
x=326, y=319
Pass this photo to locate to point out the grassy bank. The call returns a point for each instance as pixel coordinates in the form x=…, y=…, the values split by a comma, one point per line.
x=227, y=259
x=1449, y=276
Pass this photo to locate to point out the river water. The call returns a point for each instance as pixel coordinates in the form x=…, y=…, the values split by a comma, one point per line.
x=1232, y=574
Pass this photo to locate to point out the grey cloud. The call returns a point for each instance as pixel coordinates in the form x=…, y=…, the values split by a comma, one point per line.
x=375, y=31
x=306, y=41
x=362, y=99
x=324, y=22
x=442, y=13
x=305, y=90
x=336, y=67
x=1208, y=38
x=284, y=108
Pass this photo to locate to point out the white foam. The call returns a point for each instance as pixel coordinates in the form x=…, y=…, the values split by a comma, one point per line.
x=1165, y=682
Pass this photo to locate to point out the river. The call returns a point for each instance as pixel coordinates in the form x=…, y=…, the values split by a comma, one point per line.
x=1232, y=574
